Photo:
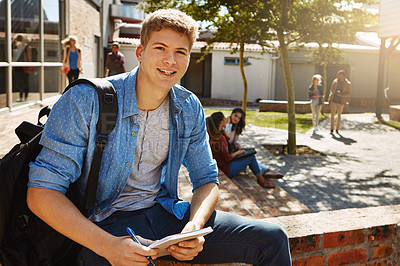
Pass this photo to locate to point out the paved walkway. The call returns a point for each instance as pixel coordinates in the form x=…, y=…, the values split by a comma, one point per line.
x=361, y=166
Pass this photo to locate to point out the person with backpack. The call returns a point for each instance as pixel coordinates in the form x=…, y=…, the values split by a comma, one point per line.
x=71, y=58
x=159, y=126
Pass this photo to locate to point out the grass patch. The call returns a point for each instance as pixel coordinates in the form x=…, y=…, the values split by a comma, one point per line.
x=391, y=123
x=272, y=119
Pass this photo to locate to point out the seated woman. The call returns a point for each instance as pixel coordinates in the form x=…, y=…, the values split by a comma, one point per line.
x=234, y=126
x=226, y=161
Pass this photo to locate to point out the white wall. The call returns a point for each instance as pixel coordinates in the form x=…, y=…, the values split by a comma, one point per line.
x=226, y=81
x=130, y=57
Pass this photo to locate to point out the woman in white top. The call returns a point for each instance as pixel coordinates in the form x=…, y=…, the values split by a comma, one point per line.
x=316, y=94
x=235, y=126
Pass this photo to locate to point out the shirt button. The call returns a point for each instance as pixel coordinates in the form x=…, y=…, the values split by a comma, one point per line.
x=133, y=134
x=128, y=164
x=97, y=209
x=134, y=116
x=117, y=190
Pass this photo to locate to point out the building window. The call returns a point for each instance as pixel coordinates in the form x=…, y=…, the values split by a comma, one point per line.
x=235, y=61
x=27, y=52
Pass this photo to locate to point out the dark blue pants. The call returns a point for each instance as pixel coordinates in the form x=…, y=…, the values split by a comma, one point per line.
x=235, y=238
x=237, y=166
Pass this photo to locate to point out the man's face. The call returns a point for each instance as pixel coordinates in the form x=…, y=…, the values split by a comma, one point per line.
x=340, y=76
x=164, y=60
x=115, y=49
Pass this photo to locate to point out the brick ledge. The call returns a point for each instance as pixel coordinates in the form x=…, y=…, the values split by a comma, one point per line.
x=365, y=236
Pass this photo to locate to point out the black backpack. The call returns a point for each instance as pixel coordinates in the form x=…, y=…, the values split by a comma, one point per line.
x=24, y=238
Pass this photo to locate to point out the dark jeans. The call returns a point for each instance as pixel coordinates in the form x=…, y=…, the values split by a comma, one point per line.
x=73, y=74
x=235, y=238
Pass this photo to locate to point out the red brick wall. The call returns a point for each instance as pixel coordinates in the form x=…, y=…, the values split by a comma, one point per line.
x=371, y=103
x=394, y=112
x=224, y=102
x=301, y=107
x=368, y=236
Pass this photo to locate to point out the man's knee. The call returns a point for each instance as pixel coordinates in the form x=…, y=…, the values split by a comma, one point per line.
x=279, y=236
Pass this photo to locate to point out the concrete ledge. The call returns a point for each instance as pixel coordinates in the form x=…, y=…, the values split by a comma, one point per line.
x=367, y=236
x=394, y=112
x=301, y=107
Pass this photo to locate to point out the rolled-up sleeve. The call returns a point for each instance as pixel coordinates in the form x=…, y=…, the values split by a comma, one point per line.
x=198, y=160
x=64, y=140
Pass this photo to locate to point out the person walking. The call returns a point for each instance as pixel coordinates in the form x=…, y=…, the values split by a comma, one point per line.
x=115, y=63
x=316, y=94
x=160, y=126
x=338, y=97
x=71, y=58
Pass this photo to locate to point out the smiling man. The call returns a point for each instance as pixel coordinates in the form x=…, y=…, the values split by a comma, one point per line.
x=160, y=126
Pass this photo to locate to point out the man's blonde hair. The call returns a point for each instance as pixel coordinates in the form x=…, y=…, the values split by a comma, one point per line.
x=172, y=19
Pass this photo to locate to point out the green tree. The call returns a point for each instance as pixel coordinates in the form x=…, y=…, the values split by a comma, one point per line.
x=288, y=21
x=332, y=23
x=235, y=21
x=299, y=21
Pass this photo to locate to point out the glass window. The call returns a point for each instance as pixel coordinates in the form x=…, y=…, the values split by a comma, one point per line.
x=25, y=30
x=51, y=81
x=3, y=95
x=25, y=83
x=51, y=31
x=2, y=31
x=235, y=61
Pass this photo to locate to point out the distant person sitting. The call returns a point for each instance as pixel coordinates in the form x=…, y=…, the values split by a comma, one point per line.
x=115, y=63
x=338, y=97
x=235, y=125
x=227, y=162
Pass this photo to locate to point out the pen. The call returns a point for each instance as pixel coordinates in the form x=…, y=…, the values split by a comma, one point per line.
x=132, y=234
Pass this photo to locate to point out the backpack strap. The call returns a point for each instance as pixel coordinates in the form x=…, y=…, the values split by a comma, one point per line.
x=108, y=110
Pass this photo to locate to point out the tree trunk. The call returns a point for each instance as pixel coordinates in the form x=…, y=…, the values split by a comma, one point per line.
x=244, y=99
x=325, y=84
x=287, y=73
x=381, y=74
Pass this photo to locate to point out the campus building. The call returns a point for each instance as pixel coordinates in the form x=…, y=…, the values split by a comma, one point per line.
x=42, y=24
x=96, y=23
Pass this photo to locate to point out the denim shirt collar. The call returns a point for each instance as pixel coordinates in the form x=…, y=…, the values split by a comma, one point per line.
x=130, y=107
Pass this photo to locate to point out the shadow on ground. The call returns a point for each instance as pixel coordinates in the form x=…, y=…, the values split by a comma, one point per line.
x=322, y=182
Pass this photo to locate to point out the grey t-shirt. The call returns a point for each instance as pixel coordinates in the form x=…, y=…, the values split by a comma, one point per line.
x=151, y=150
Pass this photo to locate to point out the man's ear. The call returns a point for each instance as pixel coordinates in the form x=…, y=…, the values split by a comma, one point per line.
x=139, y=51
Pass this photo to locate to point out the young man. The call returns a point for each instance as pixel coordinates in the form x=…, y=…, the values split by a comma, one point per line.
x=160, y=126
x=338, y=97
x=115, y=63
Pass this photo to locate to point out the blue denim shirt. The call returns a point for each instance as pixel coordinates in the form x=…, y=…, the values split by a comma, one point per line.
x=69, y=140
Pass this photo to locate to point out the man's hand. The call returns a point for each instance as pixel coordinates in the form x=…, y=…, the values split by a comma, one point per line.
x=124, y=251
x=187, y=250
